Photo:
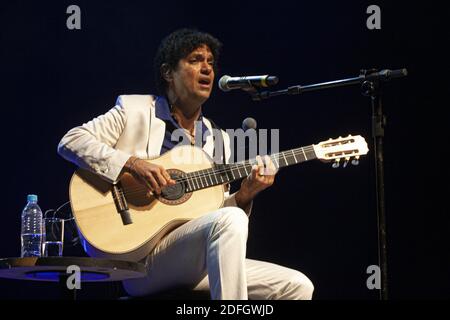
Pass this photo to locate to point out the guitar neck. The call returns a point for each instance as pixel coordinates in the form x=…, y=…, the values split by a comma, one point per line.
x=225, y=173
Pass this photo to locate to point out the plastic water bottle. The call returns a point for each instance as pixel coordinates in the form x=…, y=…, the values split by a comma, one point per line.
x=32, y=228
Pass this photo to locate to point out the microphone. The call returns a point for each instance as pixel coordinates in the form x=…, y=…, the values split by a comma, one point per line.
x=227, y=83
x=248, y=123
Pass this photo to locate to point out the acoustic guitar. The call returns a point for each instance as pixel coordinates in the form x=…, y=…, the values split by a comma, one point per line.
x=123, y=221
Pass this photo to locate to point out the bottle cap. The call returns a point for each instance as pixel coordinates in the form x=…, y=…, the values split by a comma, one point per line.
x=32, y=198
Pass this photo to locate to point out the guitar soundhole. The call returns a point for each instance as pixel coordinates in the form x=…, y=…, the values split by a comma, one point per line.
x=175, y=194
x=176, y=191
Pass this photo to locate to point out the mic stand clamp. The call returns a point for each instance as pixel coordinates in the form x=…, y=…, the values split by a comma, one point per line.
x=254, y=93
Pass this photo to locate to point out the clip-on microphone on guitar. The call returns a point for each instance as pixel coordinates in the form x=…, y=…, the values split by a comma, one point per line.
x=121, y=204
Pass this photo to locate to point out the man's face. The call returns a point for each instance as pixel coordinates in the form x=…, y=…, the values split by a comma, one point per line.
x=193, y=78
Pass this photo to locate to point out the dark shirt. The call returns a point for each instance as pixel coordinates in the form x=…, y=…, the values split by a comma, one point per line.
x=162, y=111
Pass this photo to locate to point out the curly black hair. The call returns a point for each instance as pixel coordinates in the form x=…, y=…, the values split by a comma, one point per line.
x=178, y=45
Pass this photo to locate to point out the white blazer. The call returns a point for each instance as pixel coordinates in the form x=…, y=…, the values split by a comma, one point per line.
x=104, y=144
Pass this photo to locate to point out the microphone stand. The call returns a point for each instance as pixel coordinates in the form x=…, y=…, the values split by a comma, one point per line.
x=370, y=81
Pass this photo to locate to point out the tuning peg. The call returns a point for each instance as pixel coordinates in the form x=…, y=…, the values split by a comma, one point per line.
x=355, y=161
x=335, y=164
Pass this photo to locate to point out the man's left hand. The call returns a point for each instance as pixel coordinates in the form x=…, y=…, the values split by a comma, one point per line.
x=261, y=177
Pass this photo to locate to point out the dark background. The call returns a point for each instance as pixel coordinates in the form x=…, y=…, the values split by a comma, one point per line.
x=316, y=219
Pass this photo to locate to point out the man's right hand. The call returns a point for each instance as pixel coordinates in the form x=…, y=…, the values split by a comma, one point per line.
x=153, y=176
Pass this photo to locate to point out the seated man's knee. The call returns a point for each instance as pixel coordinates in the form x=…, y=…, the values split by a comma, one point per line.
x=298, y=287
x=302, y=286
x=231, y=219
x=234, y=216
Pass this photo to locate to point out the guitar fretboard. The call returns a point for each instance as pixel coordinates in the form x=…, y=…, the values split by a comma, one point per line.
x=225, y=173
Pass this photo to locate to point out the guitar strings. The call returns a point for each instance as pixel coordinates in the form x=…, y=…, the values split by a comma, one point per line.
x=230, y=167
x=237, y=166
x=197, y=184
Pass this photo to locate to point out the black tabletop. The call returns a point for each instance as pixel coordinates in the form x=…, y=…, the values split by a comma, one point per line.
x=52, y=268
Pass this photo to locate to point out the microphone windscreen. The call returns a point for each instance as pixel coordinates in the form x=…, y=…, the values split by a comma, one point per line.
x=223, y=83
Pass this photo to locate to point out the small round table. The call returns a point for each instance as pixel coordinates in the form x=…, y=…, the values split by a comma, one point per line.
x=59, y=269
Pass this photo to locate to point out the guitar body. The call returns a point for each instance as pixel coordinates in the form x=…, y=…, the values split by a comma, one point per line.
x=100, y=225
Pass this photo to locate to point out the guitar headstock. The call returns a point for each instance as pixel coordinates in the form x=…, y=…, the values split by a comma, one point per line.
x=341, y=148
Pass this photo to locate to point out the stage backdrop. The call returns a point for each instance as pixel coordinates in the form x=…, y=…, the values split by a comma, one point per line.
x=316, y=219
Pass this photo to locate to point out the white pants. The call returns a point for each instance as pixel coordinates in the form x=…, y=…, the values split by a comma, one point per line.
x=210, y=252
